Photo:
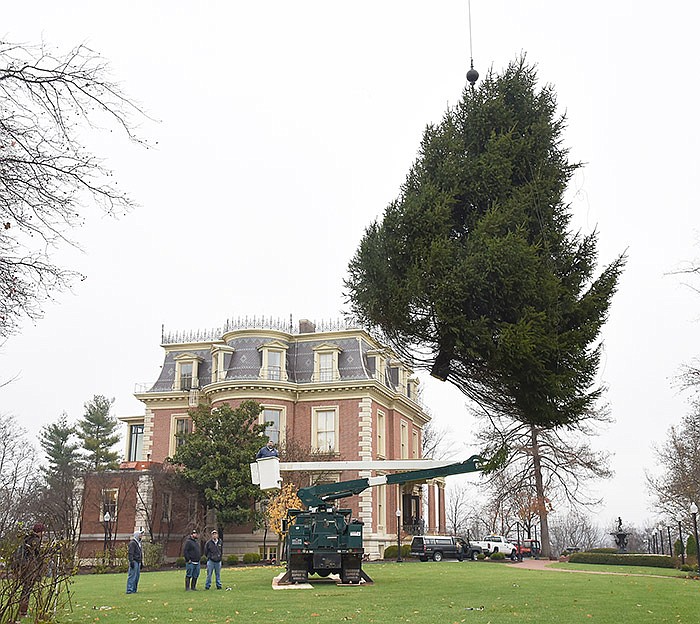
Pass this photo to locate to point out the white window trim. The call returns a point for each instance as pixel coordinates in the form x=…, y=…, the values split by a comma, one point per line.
x=314, y=428
x=381, y=434
x=283, y=419
x=218, y=371
x=379, y=365
x=326, y=349
x=403, y=442
x=381, y=508
x=415, y=445
x=173, y=438
x=186, y=358
x=277, y=347
x=116, y=503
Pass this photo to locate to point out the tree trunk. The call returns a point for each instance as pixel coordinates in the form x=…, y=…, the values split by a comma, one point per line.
x=540, y=495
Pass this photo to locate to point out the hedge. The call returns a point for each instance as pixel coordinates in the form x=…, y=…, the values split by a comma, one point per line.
x=653, y=561
x=251, y=557
x=390, y=552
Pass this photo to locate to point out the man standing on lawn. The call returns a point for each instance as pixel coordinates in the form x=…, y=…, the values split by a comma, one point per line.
x=192, y=553
x=135, y=560
x=213, y=551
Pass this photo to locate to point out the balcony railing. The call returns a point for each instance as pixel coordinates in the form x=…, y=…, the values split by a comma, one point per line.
x=170, y=386
x=254, y=322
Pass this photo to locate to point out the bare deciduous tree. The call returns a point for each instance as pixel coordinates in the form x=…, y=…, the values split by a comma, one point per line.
x=18, y=476
x=678, y=484
x=576, y=529
x=545, y=466
x=46, y=175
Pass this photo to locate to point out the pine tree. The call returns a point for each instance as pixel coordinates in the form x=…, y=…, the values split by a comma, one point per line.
x=64, y=464
x=215, y=458
x=98, y=431
x=474, y=274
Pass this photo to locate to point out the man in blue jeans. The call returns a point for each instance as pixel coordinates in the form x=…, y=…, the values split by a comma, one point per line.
x=192, y=553
x=213, y=551
x=135, y=559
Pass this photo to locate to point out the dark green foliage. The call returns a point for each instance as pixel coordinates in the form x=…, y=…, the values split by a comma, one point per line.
x=64, y=464
x=691, y=548
x=59, y=443
x=390, y=552
x=215, y=458
x=678, y=548
x=232, y=560
x=180, y=562
x=497, y=556
x=99, y=432
x=653, y=561
x=473, y=271
x=251, y=558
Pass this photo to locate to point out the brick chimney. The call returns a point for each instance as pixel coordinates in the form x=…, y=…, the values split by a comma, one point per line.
x=306, y=326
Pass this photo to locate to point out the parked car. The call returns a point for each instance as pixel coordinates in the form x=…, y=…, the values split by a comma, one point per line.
x=437, y=547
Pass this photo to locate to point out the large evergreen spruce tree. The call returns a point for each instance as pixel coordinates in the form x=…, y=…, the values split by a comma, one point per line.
x=475, y=273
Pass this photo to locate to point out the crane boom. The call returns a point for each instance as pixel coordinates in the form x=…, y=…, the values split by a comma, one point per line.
x=317, y=495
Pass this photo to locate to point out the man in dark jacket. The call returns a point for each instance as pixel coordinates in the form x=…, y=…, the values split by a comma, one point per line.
x=192, y=553
x=29, y=565
x=135, y=560
x=268, y=450
x=213, y=551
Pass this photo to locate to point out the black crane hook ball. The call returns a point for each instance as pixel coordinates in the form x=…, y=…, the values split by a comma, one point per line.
x=472, y=76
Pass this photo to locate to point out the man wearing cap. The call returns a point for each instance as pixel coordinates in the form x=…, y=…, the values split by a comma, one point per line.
x=213, y=551
x=192, y=553
x=135, y=560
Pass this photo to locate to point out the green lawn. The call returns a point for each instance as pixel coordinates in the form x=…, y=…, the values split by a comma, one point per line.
x=616, y=569
x=427, y=593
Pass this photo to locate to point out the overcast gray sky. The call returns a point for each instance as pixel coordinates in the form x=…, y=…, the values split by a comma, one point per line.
x=285, y=128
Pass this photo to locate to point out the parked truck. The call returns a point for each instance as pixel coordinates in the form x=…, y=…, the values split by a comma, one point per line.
x=497, y=543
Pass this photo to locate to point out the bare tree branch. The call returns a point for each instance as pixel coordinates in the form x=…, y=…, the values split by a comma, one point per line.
x=46, y=174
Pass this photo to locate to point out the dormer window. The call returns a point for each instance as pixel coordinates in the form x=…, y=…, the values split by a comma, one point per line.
x=220, y=356
x=326, y=362
x=187, y=371
x=274, y=361
x=376, y=365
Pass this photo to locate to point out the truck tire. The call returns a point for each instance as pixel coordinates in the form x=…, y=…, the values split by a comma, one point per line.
x=437, y=556
x=473, y=556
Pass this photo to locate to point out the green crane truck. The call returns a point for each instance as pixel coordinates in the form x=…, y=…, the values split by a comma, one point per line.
x=325, y=539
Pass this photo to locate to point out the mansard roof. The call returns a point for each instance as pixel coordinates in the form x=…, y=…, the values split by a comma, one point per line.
x=242, y=354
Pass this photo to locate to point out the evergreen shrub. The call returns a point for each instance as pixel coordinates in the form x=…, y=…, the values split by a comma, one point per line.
x=251, y=558
x=604, y=558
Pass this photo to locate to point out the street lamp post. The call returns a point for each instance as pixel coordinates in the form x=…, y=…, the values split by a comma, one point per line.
x=670, y=545
x=398, y=534
x=694, y=513
x=107, y=518
x=679, y=519
x=660, y=529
